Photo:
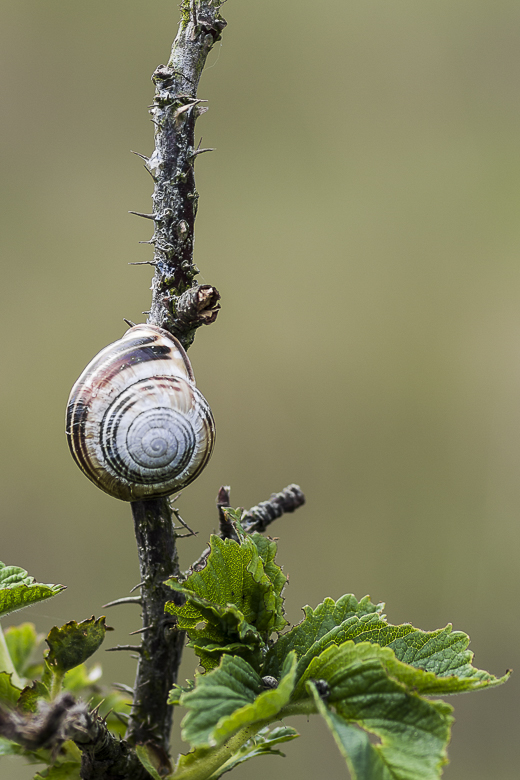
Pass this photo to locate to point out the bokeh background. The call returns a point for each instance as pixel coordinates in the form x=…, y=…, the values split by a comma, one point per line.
x=361, y=219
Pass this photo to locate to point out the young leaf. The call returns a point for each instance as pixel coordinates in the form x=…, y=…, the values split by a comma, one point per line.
x=214, y=630
x=267, y=551
x=234, y=574
x=18, y=589
x=145, y=759
x=21, y=642
x=234, y=598
x=414, y=732
x=8, y=748
x=31, y=695
x=318, y=623
x=260, y=745
x=73, y=643
x=68, y=770
x=9, y=693
x=230, y=698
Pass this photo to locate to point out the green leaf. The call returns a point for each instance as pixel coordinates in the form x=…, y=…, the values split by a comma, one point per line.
x=73, y=643
x=414, y=732
x=31, y=695
x=443, y=653
x=260, y=745
x=9, y=693
x=68, y=770
x=21, y=642
x=214, y=630
x=267, y=550
x=363, y=759
x=8, y=748
x=231, y=697
x=233, y=598
x=421, y=681
x=307, y=638
x=18, y=589
x=144, y=757
x=177, y=691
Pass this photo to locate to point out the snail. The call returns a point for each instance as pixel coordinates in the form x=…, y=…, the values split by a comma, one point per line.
x=137, y=426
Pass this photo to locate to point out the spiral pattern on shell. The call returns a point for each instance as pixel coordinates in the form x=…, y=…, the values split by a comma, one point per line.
x=137, y=426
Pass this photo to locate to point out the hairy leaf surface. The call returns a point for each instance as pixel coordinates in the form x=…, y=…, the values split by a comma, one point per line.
x=231, y=697
x=261, y=745
x=73, y=643
x=414, y=732
x=19, y=590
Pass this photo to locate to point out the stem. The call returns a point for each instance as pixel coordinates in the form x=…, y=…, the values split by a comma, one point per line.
x=56, y=684
x=180, y=306
x=178, y=303
x=204, y=767
x=161, y=647
x=6, y=663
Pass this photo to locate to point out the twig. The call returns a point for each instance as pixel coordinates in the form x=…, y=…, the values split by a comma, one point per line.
x=131, y=648
x=226, y=530
x=178, y=303
x=104, y=756
x=125, y=600
x=180, y=306
x=259, y=517
x=161, y=648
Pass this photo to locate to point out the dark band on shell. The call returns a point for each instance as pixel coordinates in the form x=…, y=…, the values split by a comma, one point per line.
x=137, y=426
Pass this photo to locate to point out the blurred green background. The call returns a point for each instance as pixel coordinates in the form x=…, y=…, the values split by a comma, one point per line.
x=361, y=219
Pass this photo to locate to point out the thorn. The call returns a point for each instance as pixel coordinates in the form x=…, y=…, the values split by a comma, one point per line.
x=141, y=214
x=140, y=630
x=187, y=107
x=181, y=521
x=146, y=312
x=123, y=688
x=199, y=151
x=130, y=325
x=123, y=717
x=126, y=599
x=133, y=648
x=142, y=156
x=144, y=262
x=151, y=241
x=95, y=711
x=140, y=584
x=136, y=657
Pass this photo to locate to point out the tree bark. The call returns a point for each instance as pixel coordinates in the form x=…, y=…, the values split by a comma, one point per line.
x=179, y=305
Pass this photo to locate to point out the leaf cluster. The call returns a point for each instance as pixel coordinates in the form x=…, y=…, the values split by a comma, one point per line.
x=30, y=678
x=345, y=662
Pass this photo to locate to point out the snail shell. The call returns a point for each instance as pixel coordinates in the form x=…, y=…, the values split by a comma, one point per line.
x=136, y=424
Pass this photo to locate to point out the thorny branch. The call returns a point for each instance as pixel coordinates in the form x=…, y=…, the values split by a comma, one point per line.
x=104, y=756
x=180, y=305
x=255, y=519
